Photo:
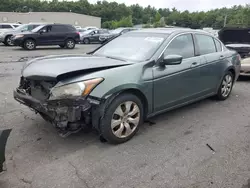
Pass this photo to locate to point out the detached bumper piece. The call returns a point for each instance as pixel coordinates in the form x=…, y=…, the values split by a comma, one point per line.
x=67, y=115
x=3, y=140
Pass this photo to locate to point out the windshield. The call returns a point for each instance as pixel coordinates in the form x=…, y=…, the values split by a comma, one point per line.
x=22, y=27
x=117, y=31
x=37, y=29
x=124, y=47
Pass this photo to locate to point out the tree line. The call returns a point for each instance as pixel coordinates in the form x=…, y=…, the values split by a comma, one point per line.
x=116, y=15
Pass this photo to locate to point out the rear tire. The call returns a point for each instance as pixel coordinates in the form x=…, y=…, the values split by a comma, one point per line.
x=122, y=118
x=86, y=41
x=70, y=44
x=226, y=86
x=29, y=44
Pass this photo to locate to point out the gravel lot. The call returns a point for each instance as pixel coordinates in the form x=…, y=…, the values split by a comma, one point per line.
x=172, y=153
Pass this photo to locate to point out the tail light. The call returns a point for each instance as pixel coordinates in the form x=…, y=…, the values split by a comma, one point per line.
x=239, y=57
x=78, y=33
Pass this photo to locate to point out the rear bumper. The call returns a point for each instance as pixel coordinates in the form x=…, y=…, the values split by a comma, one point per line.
x=245, y=69
x=63, y=113
x=1, y=39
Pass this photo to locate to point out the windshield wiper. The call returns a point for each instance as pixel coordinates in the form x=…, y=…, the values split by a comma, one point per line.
x=110, y=57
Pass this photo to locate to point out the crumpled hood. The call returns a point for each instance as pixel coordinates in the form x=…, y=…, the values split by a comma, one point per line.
x=57, y=65
x=235, y=35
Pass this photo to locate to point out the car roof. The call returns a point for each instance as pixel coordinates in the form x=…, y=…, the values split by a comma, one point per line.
x=10, y=24
x=169, y=31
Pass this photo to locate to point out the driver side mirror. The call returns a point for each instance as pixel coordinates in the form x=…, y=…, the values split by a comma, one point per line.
x=42, y=31
x=171, y=60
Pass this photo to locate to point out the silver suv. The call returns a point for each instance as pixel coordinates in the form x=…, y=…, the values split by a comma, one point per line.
x=5, y=36
x=5, y=26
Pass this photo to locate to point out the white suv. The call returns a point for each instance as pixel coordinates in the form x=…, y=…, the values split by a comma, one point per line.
x=8, y=25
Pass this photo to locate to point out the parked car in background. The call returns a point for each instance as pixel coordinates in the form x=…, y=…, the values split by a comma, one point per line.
x=64, y=35
x=90, y=28
x=4, y=134
x=9, y=26
x=238, y=39
x=78, y=27
x=114, y=33
x=129, y=79
x=245, y=67
x=6, y=36
x=93, y=36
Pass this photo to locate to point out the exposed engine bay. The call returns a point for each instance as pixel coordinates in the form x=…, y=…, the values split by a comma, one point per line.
x=68, y=115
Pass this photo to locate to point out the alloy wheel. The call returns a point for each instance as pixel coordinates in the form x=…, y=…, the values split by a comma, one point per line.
x=9, y=41
x=30, y=45
x=70, y=44
x=125, y=119
x=226, y=85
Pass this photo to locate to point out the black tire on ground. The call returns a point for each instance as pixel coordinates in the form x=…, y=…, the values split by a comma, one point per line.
x=226, y=86
x=29, y=44
x=86, y=41
x=7, y=41
x=62, y=46
x=70, y=43
x=107, y=132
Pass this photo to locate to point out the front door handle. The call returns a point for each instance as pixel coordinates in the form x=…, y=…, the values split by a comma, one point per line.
x=222, y=56
x=194, y=64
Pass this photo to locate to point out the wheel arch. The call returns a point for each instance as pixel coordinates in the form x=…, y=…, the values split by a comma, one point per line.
x=229, y=69
x=5, y=38
x=107, y=99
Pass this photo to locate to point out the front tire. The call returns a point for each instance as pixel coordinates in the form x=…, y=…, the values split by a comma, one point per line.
x=29, y=44
x=70, y=44
x=122, y=119
x=226, y=86
x=8, y=41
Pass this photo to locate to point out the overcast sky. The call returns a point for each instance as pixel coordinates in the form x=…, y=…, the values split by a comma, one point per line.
x=191, y=5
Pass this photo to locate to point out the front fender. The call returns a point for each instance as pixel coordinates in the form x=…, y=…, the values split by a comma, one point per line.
x=3, y=140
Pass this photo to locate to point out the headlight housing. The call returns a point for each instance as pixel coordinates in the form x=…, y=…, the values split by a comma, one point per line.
x=18, y=36
x=82, y=88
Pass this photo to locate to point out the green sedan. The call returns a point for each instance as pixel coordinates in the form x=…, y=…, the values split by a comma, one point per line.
x=128, y=80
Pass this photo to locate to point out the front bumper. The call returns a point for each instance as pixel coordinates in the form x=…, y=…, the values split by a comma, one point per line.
x=17, y=41
x=63, y=113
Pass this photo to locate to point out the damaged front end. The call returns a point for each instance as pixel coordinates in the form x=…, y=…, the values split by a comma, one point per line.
x=68, y=113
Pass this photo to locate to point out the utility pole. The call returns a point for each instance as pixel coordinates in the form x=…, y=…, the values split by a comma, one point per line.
x=225, y=20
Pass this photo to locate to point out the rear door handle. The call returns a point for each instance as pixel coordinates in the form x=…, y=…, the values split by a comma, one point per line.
x=194, y=64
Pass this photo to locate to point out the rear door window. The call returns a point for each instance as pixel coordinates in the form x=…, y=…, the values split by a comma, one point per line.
x=205, y=44
x=58, y=28
x=6, y=26
x=182, y=45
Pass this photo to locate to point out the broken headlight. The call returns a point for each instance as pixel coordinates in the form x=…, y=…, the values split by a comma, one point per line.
x=82, y=88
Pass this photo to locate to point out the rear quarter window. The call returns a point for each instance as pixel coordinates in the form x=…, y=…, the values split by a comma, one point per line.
x=218, y=45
